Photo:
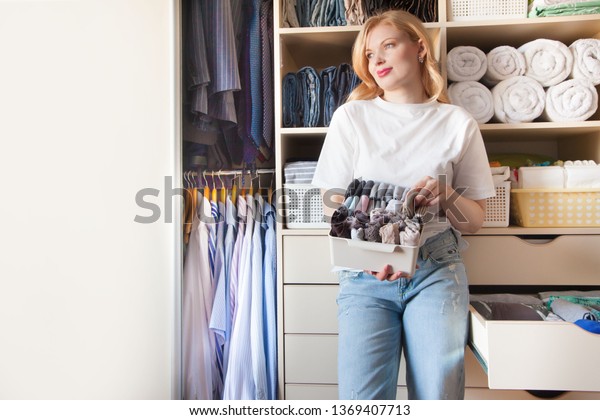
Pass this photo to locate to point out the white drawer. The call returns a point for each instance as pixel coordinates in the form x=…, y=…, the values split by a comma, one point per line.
x=511, y=260
x=310, y=309
x=536, y=355
x=306, y=260
x=312, y=359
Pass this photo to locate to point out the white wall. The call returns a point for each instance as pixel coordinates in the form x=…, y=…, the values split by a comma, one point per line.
x=87, y=296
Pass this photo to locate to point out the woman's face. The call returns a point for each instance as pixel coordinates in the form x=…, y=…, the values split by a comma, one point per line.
x=392, y=57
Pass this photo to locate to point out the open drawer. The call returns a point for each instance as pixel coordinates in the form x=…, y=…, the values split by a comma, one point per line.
x=535, y=355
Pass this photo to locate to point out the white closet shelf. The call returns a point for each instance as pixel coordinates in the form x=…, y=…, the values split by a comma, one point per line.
x=533, y=128
x=322, y=30
x=489, y=34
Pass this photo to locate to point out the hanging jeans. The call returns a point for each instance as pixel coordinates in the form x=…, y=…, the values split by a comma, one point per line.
x=425, y=316
x=310, y=86
x=327, y=88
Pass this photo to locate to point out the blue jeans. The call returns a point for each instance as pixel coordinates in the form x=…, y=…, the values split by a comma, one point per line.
x=291, y=98
x=345, y=81
x=310, y=86
x=425, y=316
x=327, y=91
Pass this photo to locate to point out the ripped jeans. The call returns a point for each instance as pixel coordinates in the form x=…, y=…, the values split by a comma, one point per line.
x=425, y=316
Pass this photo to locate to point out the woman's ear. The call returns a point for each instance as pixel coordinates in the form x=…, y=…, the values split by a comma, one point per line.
x=422, y=50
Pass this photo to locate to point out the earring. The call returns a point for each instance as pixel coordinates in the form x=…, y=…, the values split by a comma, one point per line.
x=420, y=59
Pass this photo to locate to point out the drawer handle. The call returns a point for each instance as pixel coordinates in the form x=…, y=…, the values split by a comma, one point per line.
x=541, y=240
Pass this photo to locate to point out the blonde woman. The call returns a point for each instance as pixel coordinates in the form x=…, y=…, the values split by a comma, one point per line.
x=397, y=127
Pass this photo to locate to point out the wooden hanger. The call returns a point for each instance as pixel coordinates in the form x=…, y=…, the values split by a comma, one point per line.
x=233, y=192
x=223, y=195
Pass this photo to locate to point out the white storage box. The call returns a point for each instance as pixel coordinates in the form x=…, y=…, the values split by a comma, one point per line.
x=461, y=10
x=372, y=256
x=303, y=207
x=497, y=209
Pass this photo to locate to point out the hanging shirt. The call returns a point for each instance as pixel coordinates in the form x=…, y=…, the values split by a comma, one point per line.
x=220, y=321
x=242, y=209
x=239, y=383
x=257, y=342
x=199, y=363
x=218, y=274
x=270, y=293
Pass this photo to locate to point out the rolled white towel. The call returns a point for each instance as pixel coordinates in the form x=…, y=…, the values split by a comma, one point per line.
x=502, y=63
x=475, y=98
x=518, y=99
x=571, y=100
x=548, y=61
x=466, y=64
x=586, y=59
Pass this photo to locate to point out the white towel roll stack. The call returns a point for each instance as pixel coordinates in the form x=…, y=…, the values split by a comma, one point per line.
x=571, y=100
x=503, y=63
x=475, y=98
x=466, y=64
x=548, y=61
x=518, y=99
x=586, y=59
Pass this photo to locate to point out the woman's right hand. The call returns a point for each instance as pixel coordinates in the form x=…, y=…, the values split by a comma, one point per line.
x=387, y=274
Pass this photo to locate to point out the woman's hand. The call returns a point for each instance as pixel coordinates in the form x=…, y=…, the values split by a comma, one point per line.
x=387, y=274
x=429, y=191
x=464, y=214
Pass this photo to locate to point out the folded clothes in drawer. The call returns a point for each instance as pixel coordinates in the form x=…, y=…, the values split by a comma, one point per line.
x=534, y=354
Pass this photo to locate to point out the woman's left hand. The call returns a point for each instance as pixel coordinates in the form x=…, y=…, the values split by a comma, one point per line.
x=429, y=191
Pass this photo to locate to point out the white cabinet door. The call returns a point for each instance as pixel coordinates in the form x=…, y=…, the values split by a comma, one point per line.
x=88, y=108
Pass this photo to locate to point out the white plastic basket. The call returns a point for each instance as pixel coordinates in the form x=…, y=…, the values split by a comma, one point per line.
x=303, y=207
x=461, y=10
x=497, y=209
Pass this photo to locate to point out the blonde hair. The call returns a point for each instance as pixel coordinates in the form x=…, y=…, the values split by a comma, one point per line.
x=433, y=82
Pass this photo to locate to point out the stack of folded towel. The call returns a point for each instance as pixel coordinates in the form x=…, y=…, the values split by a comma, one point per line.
x=545, y=8
x=577, y=174
x=542, y=78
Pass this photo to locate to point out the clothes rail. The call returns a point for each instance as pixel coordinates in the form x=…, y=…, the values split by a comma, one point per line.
x=232, y=172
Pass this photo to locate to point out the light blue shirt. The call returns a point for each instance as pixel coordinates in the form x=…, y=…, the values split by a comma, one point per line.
x=257, y=338
x=270, y=293
x=239, y=382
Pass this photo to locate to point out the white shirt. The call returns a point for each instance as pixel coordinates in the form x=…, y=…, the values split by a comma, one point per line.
x=199, y=361
x=400, y=144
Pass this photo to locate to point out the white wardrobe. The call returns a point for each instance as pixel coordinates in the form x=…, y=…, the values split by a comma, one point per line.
x=88, y=121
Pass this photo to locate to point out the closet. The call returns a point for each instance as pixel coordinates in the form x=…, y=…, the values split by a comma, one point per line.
x=509, y=258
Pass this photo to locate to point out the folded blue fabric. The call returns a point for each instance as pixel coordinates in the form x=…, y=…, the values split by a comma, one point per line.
x=591, y=326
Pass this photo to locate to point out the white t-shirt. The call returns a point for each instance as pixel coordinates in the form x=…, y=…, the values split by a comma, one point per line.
x=400, y=144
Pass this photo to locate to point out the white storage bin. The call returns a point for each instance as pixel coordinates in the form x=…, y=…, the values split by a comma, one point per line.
x=372, y=256
x=303, y=207
x=461, y=10
x=497, y=209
